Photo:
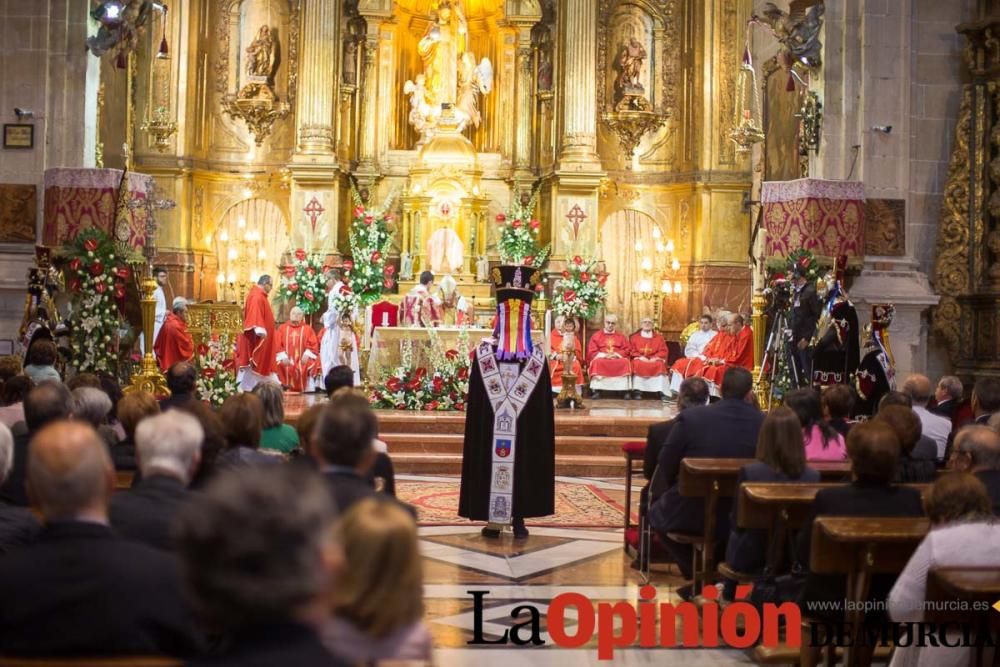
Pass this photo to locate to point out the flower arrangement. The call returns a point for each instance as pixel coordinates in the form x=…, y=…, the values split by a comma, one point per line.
x=216, y=374
x=367, y=274
x=781, y=268
x=518, y=242
x=303, y=282
x=96, y=273
x=446, y=387
x=581, y=291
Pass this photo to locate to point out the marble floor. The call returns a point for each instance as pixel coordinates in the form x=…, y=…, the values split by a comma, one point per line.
x=552, y=561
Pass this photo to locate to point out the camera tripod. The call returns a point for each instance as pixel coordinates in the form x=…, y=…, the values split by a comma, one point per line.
x=778, y=349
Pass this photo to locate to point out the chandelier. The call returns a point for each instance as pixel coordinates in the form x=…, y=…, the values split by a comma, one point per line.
x=746, y=130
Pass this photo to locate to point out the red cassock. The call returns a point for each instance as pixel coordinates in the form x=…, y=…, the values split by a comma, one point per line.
x=252, y=350
x=739, y=353
x=717, y=348
x=654, y=349
x=556, y=365
x=174, y=343
x=615, y=343
x=298, y=344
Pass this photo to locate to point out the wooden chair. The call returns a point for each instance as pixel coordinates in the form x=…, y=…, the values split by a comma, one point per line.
x=860, y=547
x=119, y=661
x=633, y=451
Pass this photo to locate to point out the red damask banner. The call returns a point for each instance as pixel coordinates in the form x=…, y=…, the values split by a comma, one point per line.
x=77, y=199
x=824, y=217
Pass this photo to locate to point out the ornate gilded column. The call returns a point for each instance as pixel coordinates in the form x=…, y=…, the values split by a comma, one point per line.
x=369, y=82
x=578, y=44
x=317, y=78
x=522, y=145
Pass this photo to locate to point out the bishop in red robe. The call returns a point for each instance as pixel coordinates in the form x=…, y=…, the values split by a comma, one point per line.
x=297, y=353
x=174, y=342
x=255, y=347
x=649, y=360
x=608, y=364
x=738, y=353
x=562, y=338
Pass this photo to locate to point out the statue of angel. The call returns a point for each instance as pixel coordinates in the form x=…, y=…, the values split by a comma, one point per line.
x=421, y=114
x=473, y=81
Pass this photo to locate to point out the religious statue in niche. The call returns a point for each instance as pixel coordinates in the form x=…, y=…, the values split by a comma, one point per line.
x=260, y=56
x=451, y=77
x=355, y=35
x=630, y=94
x=541, y=40
x=257, y=103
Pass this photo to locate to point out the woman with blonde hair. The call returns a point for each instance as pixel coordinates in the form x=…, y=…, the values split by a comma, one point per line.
x=378, y=604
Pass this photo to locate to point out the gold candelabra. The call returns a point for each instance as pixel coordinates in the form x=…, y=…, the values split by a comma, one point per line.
x=241, y=264
x=658, y=273
x=568, y=398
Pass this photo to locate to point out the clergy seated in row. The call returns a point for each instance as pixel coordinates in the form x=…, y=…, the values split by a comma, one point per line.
x=699, y=343
x=733, y=346
x=420, y=308
x=649, y=360
x=563, y=341
x=298, y=354
x=609, y=360
x=174, y=342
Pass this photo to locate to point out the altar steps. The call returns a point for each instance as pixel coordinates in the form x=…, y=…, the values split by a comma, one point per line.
x=588, y=442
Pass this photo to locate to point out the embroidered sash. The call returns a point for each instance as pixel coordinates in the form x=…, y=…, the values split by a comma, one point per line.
x=508, y=401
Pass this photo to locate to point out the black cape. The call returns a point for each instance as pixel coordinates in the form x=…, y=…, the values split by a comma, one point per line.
x=534, y=454
x=837, y=353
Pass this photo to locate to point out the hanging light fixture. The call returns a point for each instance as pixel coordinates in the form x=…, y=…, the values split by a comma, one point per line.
x=746, y=129
x=164, y=51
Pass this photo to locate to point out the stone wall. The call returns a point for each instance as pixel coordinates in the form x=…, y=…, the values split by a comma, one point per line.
x=44, y=68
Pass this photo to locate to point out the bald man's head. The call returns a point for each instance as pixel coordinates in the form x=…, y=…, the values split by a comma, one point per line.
x=919, y=388
x=979, y=446
x=69, y=472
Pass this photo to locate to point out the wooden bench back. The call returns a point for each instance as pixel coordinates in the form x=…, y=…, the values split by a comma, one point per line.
x=846, y=545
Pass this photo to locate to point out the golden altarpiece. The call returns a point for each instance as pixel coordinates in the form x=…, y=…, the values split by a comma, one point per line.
x=264, y=113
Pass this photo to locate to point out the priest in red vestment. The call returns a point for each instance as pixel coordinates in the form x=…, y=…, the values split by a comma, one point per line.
x=696, y=366
x=738, y=353
x=297, y=354
x=608, y=363
x=255, y=347
x=174, y=342
x=649, y=360
x=562, y=339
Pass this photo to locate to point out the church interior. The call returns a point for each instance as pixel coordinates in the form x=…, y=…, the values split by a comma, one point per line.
x=668, y=173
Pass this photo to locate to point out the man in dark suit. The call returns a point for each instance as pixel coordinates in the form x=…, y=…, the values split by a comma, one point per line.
x=259, y=558
x=79, y=590
x=977, y=450
x=804, y=318
x=725, y=429
x=182, y=378
x=46, y=403
x=169, y=451
x=985, y=399
x=18, y=526
x=693, y=393
x=344, y=448
x=947, y=395
x=873, y=448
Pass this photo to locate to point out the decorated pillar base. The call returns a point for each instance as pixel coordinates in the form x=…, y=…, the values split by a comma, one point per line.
x=568, y=398
x=762, y=384
x=149, y=378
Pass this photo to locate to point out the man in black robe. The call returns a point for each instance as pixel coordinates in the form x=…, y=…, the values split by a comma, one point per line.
x=876, y=374
x=838, y=350
x=508, y=462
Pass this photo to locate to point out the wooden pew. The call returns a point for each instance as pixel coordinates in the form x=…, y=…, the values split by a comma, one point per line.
x=860, y=547
x=712, y=479
x=781, y=508
x=972, y=585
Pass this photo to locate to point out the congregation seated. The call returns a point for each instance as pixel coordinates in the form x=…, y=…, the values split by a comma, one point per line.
x=562, y=340
x=213, y=442
x=925, y=447
x=873, y=449
x=18, y=525
x=977, y=450
x=726, y=429
x=182, y=381
x=822, y=441
x=608, y=360
x=949, y=402
x=131, y=410
x=339, y=377
x=81, y=590
x=276, y=435
x=382, y=473
x=93, y=406
x=649, y=360
x=964, y=533
x=914, y=466
x=169, y=450
x=258, y=554
x=838, y=404
x=46, y=403
x=242, y=418
x=378, y=618
x=39, y=363
x=918, y=387
x=985, y=399
x=780, y=457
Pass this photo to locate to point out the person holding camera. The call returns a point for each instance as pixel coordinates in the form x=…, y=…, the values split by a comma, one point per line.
x=805, y=316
